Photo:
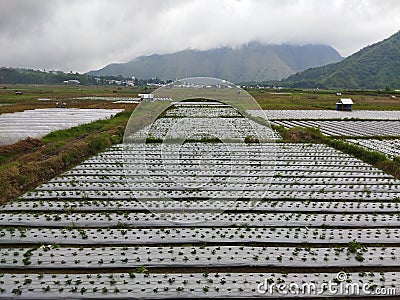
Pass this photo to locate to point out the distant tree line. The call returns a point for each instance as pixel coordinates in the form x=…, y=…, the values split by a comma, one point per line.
x=21, y=76
x=30, y=76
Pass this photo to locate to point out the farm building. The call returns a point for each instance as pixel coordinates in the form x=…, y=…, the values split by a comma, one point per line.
x=146, y=96
x=71, y=81
x=344, y=104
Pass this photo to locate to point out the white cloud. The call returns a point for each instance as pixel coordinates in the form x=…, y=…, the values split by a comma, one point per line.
x=84, y=35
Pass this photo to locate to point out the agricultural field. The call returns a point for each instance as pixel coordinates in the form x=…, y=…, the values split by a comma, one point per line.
x=47, y=96
x=323, y=100
x=325, y=114
x=347, y=128
x=359, y=123
x=39, y=122
x=226, y=214
x=389, y=147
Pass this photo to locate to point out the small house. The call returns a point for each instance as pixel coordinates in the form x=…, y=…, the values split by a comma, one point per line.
x=344, y=104
x=148, y=97
x=72, y=81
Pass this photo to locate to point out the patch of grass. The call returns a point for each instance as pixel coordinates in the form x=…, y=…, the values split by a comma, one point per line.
x=251, y=140
x=354, y=246
x=9, y=152
x=301, y=135
x=142, y=270
x=151, y=140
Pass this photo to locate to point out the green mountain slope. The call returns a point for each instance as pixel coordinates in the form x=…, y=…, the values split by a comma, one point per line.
x=374, y=67
x=252, y=62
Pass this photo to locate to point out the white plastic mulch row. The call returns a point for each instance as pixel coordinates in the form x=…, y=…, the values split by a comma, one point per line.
x=260, y=184
x=389, y=147
x=109, y=180
x=202, y=120
x=221, y=219
x=198, y=235
x=89, y=220
x=203, y=112
x=200, y=128
x=347, y=128
x=199, y=205
x=325, y=114
x=197, y=285
x=282, y=171
x=39, y=122
x=178, y=256
x=217, y=195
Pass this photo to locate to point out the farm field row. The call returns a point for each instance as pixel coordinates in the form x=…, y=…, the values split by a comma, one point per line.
x=203, y=219
x=208, y=256
x=372, y=221
x=215, y=111
x=389, y=147
x=325, y=114
x=347, y=128
x=37, y=123
x=198, y=205
x=189, y=219
x=217, y=195
x=198, y=235
x=181, y=285
x=200, y=120
x=204, y=128
x=286, y=171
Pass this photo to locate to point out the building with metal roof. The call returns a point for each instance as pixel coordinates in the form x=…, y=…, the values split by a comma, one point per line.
x=344, y=104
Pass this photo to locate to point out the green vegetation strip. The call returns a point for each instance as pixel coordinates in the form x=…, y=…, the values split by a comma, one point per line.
x=30, y=162
x=313, y=135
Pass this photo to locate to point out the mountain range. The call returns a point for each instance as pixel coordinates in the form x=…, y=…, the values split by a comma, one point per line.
x=250, y=62
x=374, y=67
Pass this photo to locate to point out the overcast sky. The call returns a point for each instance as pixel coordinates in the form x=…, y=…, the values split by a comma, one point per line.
x=82, y=35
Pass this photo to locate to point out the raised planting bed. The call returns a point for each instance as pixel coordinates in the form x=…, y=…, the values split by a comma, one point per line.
x=58, y=257
x=325, y=114
x=348, y=128
x=389, y=147
x=172, y=235
x=183, y=285
x=204, y=128
x=39, y=122
x=220, y=219
x=55, y=205
x=170, y=220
